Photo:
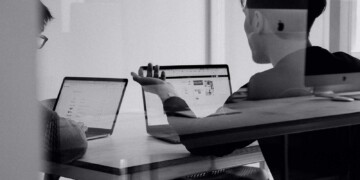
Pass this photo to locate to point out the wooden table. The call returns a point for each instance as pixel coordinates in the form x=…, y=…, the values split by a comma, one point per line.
x=131, y=153
x=269, y=118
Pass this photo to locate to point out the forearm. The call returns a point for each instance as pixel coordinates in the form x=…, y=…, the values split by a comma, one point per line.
x=184, y=121
x=179, y=115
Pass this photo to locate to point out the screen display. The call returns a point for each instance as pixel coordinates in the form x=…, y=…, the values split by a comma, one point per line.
x=204, y=90
x=95, y=103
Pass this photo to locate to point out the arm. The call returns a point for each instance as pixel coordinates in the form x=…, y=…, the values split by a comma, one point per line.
x=186, y=128
x=63, y=140
x=180, y=116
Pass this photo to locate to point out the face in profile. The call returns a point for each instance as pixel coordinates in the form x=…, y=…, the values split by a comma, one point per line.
x=255, y=39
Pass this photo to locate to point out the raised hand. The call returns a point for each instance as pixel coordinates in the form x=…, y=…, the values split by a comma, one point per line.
x=153, y=83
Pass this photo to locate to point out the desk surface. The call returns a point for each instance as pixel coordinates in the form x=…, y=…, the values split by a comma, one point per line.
x=258, y=119
x=130, y=150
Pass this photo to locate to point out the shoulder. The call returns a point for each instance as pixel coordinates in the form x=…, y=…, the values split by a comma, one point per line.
x=47, y=114
x=266, y=78
x=263, y=85
x=346, y=57
x=285, y=80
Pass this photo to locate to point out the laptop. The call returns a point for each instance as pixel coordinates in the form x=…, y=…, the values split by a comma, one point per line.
x=92, y=101
x=205, y=88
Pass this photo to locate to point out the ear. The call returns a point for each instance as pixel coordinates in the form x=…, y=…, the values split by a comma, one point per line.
x=258, y=22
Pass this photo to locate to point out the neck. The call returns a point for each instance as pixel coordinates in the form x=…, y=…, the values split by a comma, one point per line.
x=279, y=50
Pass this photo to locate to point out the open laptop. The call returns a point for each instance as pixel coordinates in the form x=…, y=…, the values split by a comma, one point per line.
x=92, y=101
x=205, y=88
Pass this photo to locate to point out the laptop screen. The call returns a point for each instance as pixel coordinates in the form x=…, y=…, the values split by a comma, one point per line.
x=93, y=102
x=204, y=88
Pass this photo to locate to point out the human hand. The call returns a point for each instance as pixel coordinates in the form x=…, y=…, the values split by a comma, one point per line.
x=153, y=83
x=80, y=125
x=70, y=129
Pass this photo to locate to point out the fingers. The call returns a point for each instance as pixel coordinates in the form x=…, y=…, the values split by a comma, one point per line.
x=141, y=72
x=135, y=76
x=152, y=71
x=84, y=128
x=81, y=124
x=163, y=76
x=143, y=81
x=139, y=77
x=149, y=70
x=156, y=71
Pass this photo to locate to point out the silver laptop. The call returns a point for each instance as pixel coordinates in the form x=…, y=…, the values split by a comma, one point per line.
x=205, y=88
x=92, y=101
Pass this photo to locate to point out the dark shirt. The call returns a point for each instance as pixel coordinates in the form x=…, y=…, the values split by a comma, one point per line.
x=63, y=140
x=289, y=82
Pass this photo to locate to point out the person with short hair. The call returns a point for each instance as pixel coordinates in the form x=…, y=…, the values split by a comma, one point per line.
x=311, y=155
x=63, y=139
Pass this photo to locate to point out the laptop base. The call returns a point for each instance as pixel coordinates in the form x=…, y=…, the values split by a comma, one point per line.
x=169, y=139
x=96, y=133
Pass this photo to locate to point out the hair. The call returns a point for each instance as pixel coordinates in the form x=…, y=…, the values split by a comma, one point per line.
x=315, y=7
x=45, y=16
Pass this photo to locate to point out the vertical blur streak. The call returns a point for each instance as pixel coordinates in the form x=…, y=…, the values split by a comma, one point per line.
x=19, y=125
x=123, y=169
x=208, y=32
x=334, y=26
x=217, y=31
x=357, y=27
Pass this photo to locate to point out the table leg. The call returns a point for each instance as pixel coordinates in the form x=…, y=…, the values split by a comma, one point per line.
x=51, y=177
x=273, y=149
x=286, y=157
x=354, y=164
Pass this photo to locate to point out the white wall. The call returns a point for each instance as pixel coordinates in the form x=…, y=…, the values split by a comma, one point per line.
x=111, y=38
x=320, y=32
x=19, y=121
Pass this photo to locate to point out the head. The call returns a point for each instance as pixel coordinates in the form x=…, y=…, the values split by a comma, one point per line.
x=262, y=23
x=45, y=17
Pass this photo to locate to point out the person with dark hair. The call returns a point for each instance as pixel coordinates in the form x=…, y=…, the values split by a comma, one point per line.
x=64, y=140
x=315, y=8
x=312, y=155
x=278, y=33
x=45, y=16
